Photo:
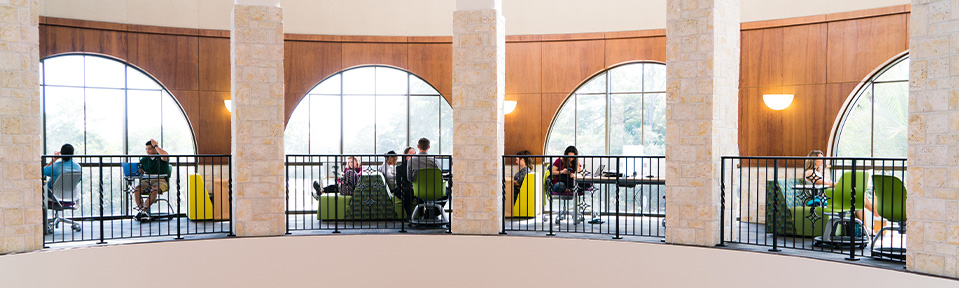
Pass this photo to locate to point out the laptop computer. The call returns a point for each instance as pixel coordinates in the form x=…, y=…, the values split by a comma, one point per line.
x=130, y=169
x=599, y=170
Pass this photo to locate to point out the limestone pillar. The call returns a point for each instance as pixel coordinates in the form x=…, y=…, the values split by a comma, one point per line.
x=21, y=214
x=702, y=96
x=479, y=77
x=256, y=70
x=932, y=179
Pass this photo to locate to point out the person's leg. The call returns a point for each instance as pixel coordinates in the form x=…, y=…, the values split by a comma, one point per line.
x=137, y=199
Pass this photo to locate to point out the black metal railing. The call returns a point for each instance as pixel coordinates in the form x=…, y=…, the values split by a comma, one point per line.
x=851, y=206
x=368, y=192
x=93, y=197
x=613, y=195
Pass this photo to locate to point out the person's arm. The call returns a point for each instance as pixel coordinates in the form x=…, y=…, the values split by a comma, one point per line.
x=160, y=150
x=51, y=162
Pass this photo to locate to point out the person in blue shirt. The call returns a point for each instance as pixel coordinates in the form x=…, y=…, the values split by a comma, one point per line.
x=55, y=168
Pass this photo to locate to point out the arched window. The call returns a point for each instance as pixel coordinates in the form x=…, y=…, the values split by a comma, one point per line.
x=108, y=107
x=370, y=110
x=874, y=121
x=620, y=111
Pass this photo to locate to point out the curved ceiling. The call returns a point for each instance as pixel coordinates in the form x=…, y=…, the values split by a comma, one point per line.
x=429, y=17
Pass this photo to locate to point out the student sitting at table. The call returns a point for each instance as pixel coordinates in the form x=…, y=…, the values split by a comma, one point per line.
x=520, y=175
x=564, y=170
x=152, y=165
x=814, y=174
x=403, y=182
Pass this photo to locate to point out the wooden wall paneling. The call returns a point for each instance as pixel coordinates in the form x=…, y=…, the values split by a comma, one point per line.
x=214, y=64
x=750, y=46
x=394, y=54
x=567, y=64
x=771, y=58
x=760, y=130
x=187, y=61
x=155, y=53
x=133, y=48
x=551, y=104
x=190, y=102
x=434, y=63
x=806, y=123
x=216, y=135
x=524, y=63
x=55, y=40
x=632, y=49
x=523, y=127
x=309, y=63
x=804, y=50
x=857, y=47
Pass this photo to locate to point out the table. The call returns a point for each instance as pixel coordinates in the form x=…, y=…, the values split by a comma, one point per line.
x=134, y=181
x=623, y=181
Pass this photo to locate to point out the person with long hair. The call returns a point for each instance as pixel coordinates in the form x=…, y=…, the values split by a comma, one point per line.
x=814, y=174
x=524, y=168
x=351, y=176
x=565, y=168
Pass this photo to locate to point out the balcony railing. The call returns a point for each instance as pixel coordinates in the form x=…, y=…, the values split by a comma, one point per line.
x=368, y=192
x=96, y=202
x=851, y=206
x=612, y=195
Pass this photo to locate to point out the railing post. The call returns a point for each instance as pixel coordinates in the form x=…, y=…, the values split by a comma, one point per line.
x=178, y=235
x=775, y=207
x=336, y=197
x=617, y=198
x=550, y=189
x=286, y=213
x=229, y=160
x=722, y=202
x=100, y=167
x=502, y=214
x=852, y=216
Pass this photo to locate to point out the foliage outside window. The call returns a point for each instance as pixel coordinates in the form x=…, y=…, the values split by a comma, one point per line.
x=876, y=120
x=370, y=110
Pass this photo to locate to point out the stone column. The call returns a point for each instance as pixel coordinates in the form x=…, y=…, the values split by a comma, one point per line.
x=702, y=98
x=256, y=58
x=479, y=77
x=932, y=180
x=21, y=210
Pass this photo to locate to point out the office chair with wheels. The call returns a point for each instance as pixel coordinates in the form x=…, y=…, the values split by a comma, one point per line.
x=65, y=195
x=429, y=187
x=891, y=205
x=840, y=230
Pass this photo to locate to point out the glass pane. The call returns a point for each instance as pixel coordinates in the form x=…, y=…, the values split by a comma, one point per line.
x=325, y=125
x=562, y=131
x=64, y=70
x=296, y=136
x=390, y=81
x=138, y=80
x=329, y=86
x=418, y=86
x=891, y=119
x=103, y=72
x=143, y=118
x=177, y=134
x=591, y=124
x=626, y=124
x=41, y=73
x=359, y=81
x=64, y=115
x=898, y=72
x=446, y=125
x=626, y=78
x=654, y=79
x=595, y=85
x=105, y=120
x=358, y=120
x=424, y=119
x=391, y=123
x=855, y=139
x=654, y=124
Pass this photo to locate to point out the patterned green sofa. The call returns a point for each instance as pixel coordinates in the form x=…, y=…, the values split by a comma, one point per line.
x=371, y=200
x=793, y=218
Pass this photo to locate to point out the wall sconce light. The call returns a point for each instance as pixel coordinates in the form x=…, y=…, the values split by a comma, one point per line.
x=778, y=101
x=509, y=107
x=229, y=105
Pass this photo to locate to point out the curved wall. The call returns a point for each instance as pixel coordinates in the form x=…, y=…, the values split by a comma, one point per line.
x=440, y=260
x=429, y=17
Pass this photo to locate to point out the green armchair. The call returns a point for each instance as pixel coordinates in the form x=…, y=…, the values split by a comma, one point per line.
x=792, y=218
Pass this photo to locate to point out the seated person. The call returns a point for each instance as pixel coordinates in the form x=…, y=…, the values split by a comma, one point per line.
x=520, y=175
x=351, y=176
x=55, y=168
x=151, y=165
x=404, y=185
x=564, y=170
x=388, y=169
x=422, y=162
x=814, y=174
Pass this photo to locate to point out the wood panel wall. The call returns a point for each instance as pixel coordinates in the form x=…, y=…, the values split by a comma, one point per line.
x=820, y=59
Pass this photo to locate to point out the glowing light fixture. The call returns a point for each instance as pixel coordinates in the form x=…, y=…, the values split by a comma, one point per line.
x=229, y=105
x=778, y=101
x=509, y=107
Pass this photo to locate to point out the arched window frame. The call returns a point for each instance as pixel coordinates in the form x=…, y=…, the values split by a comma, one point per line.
x=853, y=98
x=437, y=144
x=127, y=147
x=608, y=92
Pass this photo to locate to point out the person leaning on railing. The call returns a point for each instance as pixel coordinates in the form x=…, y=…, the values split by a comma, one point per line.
x=520, y=175
x=814, y=174
x=55, y=168
x=156, y=166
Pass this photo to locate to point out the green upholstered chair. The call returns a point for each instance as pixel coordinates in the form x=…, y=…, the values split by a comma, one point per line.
x=429, y=187
x=332, y=206
x=793, y=218
x=891, y=205
x=838, y=223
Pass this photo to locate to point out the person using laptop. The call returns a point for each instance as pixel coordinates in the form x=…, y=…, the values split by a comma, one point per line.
x=152, y=165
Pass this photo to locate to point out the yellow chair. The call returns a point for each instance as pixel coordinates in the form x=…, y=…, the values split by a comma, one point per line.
x=526, y=204
x=201, y=207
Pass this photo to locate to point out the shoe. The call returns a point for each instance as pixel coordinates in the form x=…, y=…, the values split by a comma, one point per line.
x=317, y=187
x=139, y=215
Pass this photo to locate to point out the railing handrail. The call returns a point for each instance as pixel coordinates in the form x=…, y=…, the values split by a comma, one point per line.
x=136, y=155
x=592, y=156
x=806, y=157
